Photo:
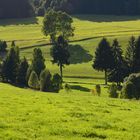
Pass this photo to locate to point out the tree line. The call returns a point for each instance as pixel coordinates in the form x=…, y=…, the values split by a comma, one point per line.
x=15, y=9
x=113, y=7
x=27, y=8
x=19, y=72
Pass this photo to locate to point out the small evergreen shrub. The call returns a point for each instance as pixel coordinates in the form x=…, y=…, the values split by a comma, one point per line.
x=33, y=81
x=56, y=83
x=45, y=80
x=113, y=91
x=67, y=88
x=131, y=87
x=98, y=89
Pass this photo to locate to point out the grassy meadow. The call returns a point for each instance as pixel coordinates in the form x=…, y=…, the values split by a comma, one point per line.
x=27, y=114
x=76, y=115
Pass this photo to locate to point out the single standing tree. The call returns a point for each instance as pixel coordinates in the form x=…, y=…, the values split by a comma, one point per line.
x=60, y=53
x=137, y=56
x=38, y=62
x=10, y=65
x=103, y=58
x=22, y=71
x=130, y=55
x=117, y=74
x=56, y=24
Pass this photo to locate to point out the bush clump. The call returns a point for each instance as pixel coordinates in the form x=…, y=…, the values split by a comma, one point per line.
x=98, y=89
x=33, y=81
x=131, y=87
x=113, y=91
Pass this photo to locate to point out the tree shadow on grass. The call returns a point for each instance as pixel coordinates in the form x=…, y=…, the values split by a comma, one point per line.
x=79, y=54
x=78, y=87
x=24, y=21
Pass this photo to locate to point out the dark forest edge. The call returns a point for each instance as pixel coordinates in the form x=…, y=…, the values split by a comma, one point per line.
x=29, y=8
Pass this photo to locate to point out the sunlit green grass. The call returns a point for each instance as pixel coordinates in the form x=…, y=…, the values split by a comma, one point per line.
x=27, y=114
x=77, y=114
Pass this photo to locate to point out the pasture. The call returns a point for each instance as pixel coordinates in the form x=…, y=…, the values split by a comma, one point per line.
x=75, y=115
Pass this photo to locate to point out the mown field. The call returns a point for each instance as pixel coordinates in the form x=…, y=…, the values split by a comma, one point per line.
x=27, y=34
x=76, y=115
x=27, y=114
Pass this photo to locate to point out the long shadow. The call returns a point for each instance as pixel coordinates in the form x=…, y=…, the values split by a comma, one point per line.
x=25, y=21
x=77, y=87
x=106, y=18
x=79, y=55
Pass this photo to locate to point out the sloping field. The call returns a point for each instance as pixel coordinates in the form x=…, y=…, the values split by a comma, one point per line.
x=26, y=114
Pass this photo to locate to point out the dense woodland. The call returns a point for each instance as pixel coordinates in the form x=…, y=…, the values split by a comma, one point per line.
x=26, y=8
x=119, y=7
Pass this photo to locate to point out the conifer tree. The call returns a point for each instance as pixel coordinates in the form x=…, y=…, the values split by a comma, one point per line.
x=22, y=72
x=117, y=74
x=104, y=60
x=38, y=62
x=137, y=56
x=10, y=65
x=130, y=55
x=33, y=81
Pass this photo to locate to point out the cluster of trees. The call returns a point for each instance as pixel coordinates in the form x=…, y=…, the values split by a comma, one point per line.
x=18, y=71
x=110, y=58
x=15, y=9
x=119, y=7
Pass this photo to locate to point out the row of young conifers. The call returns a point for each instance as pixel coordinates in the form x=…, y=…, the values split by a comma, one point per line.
x=108, y=58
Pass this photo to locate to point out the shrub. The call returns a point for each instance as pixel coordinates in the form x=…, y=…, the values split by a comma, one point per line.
x=67, y=88
x=98, y=89
x=45, y=80
x=33, y=81
x=113, y=91
x=56, y=83
x=131, y=87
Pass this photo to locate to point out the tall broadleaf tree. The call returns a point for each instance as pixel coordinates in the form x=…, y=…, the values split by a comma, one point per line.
x=103, y=60
x=57, y=24
x=60, y=53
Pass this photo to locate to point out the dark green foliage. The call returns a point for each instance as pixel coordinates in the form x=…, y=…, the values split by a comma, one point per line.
x=57, y=24
x=131, y=87
x=103, y=60
x=98, y=89
x=113, y=7
x=3, y=46
x=130, y=54
x=33, y=81
x=45, y=80
x=60, y=53
x=38, y=62
x=22, y=72
x=15, y=8
x=118, y=73
x=137, y=56
x=10, y=65
x=56, y=83
x=29, y=71
x=113, y=91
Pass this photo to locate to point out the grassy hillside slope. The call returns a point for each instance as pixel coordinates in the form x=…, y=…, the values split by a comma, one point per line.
x=28, y=35
x=26, y=114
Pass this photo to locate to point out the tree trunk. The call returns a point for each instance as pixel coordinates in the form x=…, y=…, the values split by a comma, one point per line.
x=106, y=77
x=61, y=71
